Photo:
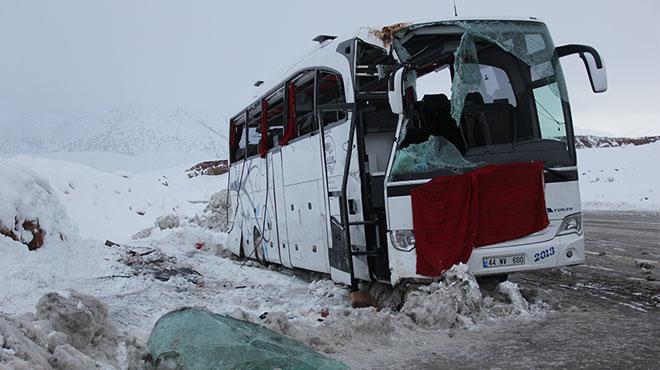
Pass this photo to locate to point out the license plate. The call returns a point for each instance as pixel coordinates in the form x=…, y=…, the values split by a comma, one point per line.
x=518, y=259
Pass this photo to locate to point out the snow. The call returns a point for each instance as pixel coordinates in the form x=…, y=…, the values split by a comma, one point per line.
x=621, y=178
x=116, y=205
x=27, y=196
x=181, y=261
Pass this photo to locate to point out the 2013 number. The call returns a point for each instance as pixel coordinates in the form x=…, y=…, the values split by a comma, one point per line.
x=544, y=254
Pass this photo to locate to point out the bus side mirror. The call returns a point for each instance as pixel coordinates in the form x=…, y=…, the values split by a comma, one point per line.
x=592, y=62
x=395, y=91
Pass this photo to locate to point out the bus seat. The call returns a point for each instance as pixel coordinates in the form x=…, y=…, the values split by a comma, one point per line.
x=487, y=124
x=436, y=116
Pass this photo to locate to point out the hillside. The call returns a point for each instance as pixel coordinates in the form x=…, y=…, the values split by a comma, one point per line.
x=120, y=131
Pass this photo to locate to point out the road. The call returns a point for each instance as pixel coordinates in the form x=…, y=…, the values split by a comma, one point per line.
x=603, y=315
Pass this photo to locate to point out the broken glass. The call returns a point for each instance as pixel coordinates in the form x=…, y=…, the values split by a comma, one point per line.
x=528, y=41
x=194, y=338
x=434, y=157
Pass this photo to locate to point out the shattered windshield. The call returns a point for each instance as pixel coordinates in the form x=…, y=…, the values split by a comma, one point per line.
x=494, y=90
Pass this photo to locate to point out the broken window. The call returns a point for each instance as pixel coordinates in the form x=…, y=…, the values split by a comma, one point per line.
x=253, y=130
x=304, y=103
x=433, y=157
x=331, y=91
x=237, y=139
x=275, y=120
x=493, y=89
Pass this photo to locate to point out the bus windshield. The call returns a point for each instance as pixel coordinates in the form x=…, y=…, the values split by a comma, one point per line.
x=481, y=92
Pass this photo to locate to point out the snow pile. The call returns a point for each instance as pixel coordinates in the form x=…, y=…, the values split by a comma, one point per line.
x=67, y=332
x=117, y=205
x=455, y=299
x=214, y=216
x=623, y=178
x=30, y=211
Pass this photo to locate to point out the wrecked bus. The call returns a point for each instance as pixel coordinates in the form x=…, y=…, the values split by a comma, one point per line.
x=390, y=154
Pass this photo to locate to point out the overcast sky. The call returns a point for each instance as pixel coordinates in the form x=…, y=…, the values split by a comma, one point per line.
x=60, y=58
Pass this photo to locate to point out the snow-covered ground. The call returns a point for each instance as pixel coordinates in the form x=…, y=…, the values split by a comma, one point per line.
x=90, y=205
x=188, y=267
x=621, y=178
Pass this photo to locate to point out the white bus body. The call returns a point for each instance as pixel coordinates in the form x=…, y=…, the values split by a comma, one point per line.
x=311, y=181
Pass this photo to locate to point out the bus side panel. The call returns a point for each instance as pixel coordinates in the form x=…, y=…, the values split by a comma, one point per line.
x=280, y=208
x=303, y=192
x=235, y=215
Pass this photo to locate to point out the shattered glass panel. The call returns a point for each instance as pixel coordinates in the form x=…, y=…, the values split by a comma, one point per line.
x=434, y=157
x=193, y=338
x=528, y=41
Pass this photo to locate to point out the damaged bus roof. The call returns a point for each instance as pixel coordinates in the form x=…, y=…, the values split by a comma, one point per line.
x=380, y=36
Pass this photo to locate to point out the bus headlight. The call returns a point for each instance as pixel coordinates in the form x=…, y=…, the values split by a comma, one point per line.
x=403, y=240
x=571, y=224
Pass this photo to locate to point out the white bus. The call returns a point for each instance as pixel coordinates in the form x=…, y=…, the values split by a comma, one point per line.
x=318, y=179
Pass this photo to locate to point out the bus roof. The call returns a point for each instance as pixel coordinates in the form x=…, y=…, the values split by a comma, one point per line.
x=324, y=54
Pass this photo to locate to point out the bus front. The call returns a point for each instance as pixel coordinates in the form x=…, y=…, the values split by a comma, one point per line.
x=478, y=94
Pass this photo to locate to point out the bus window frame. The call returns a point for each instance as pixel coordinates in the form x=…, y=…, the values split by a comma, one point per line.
x=316, y=112
x=233, y=151
x=255, y=106
x=318, y=108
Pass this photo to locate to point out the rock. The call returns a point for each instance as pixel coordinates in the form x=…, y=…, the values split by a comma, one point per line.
x=647, y=264
x=648, y=274
x=208, y=168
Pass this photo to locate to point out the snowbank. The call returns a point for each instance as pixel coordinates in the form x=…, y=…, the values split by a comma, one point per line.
x=117, y=205
x=67, y=332
x=623, y=178
x=30, y=211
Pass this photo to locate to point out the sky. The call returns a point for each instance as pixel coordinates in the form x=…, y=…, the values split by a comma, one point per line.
x=61, y=58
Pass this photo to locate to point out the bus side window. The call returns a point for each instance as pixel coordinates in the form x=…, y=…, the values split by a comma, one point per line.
x=237, y=142
x=275, y=118
x=253, y=130
x=331, y=91
x=304, y=103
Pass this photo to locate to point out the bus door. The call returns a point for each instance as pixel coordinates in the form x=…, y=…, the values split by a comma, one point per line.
x=280, y=206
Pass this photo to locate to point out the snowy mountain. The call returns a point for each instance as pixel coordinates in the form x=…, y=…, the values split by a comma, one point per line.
x=120, y=131
x=593, y=141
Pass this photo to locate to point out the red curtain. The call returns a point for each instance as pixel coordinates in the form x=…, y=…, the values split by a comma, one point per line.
x=263, y=143
x=290, y=132
x=454, y=214
x=232, y=136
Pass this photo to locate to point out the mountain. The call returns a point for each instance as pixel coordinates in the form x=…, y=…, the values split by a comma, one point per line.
x=592, y=141
x=120, y=131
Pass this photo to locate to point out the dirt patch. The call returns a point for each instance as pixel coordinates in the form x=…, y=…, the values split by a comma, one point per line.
x=208, y=168
x=32, y=234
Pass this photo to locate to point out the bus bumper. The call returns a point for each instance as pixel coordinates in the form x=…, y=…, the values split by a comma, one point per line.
x=564, y=250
